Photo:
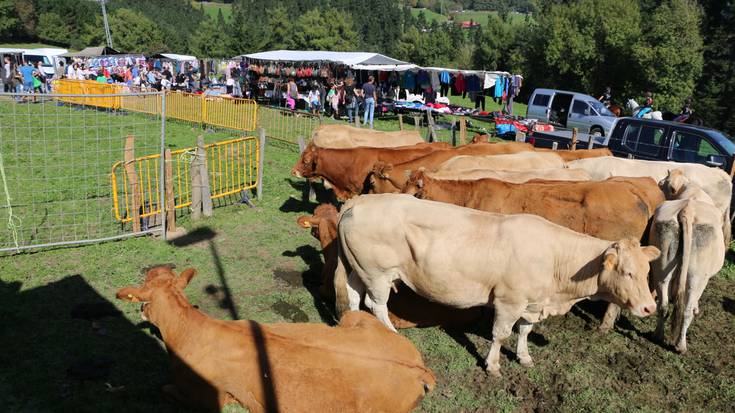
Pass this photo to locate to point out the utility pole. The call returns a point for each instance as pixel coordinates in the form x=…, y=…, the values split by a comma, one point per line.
x=107, y=25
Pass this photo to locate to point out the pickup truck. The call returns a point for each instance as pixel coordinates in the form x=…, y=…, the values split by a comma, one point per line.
x=652, y=140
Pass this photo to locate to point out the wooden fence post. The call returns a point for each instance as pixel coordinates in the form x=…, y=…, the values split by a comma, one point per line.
x=261, y=159
x=574, y=139
x=417, y=122
x=133, y=179
x=462, y=130
x=204, y=176
x=357, y=115
x=196, y=186
x=309, y=195
x=554, y=146
x=400, y=121
x=430, y=121
x=732, y=167
x=591, y=143
x=170, y=202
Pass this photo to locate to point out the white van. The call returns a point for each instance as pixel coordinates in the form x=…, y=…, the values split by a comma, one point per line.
x=571, y=110
x=48, y=57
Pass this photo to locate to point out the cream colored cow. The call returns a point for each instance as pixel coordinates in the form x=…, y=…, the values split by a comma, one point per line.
x=522, y=265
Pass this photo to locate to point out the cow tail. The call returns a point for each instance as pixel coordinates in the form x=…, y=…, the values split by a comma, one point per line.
x=341, y=302
x=686, y=218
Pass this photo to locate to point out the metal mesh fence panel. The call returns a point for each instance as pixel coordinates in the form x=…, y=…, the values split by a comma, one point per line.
x=55, y=164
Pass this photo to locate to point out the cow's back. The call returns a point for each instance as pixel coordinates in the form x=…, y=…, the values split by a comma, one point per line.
x=522, y=161
x=513, y=176
x=345, y=136
x=357, y=366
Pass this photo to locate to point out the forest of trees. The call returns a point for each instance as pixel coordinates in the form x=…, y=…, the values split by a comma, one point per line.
x=674, y=48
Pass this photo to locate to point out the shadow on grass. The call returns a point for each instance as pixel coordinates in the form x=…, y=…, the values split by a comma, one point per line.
x=311, y=279
x=66, y=348
x=307, y=202
x=728, y=304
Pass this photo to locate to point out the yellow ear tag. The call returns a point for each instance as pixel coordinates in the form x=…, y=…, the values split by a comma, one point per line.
x=130, y=295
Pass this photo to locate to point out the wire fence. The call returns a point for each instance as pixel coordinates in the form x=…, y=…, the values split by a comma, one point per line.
x=55, y=164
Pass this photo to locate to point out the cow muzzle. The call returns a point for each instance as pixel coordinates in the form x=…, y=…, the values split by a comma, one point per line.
x=296, y=173
x=644, y=310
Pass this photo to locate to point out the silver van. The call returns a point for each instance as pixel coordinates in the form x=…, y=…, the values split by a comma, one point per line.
x=571, y=110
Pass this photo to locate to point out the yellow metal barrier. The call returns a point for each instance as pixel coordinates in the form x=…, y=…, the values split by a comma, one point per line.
x=232, y=166
x=230, y=113
x=286, y=125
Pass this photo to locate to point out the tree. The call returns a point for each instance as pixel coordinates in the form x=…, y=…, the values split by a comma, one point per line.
x=670, y=55
x=210, y=41
x=51, y=27
x=131, y=32
x=280, y=33
x=330, y=31
x=9, y=21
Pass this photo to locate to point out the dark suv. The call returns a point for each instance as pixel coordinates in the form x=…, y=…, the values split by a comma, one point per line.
x=670, y=141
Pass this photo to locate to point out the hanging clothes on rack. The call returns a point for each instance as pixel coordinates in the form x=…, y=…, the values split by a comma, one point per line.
x=445, y=80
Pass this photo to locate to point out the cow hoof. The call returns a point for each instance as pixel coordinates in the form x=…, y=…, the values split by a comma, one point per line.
x=604, y=328
x=526, y=362
x=682, y=350
x=494, y=371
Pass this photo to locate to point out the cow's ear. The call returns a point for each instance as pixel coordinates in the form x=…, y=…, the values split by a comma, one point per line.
x=611, y=257
x=307, y=222
x=651, y=252
x=185, y=277
x=133, y=294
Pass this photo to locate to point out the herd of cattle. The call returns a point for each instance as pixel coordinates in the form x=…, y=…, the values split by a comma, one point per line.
x=430, y=234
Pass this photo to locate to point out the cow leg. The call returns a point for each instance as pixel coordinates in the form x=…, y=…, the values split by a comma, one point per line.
x=505, y=318
x=355, y=290
x=377, y=301
x=611, y=315
x=662, y=292
x=695, y=288
x=524, y=328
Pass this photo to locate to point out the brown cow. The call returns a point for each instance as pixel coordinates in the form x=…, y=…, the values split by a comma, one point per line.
x=390, y=178
x=613, y=209
x=346, y=170
x=407, y=309
x=359, y=365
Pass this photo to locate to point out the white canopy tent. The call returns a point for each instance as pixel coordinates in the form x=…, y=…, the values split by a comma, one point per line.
x=355, y=60
x=174, y=56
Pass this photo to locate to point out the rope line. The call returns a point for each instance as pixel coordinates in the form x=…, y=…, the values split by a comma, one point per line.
x=14, y=223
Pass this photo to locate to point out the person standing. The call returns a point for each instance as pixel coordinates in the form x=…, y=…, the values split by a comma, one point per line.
x=350, y=99
x=8, y=75
x=368, y=90
x=314, y=99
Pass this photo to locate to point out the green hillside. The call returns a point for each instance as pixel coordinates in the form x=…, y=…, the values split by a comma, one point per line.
x=430, y=15
x=212, y=9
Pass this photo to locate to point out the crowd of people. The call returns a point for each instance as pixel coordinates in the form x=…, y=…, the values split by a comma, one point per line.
x=23, y=78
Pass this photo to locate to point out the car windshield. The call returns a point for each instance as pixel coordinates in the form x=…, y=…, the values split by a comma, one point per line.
x=600, y=108
x=726, y=142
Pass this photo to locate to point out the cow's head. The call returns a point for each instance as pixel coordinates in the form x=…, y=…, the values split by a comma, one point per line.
x=162, y=277
x=323, y=223
x=306, y=165
x=674, y=184
x=624, y=276
x=382, y=180
x=415, y=183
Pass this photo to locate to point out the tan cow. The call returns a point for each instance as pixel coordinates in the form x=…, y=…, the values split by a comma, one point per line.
x=566, y=154
x=522, y=265
x=523, y=161
x=345, y=136
x=407, y=309
x=613, y=209
x=714, y=181
x=688, y=232
x=357, y=366
x=515, y=177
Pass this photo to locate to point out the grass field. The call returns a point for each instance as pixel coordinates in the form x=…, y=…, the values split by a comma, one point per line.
x=431, y=15
x=212, y=9
x=258, y=264
x=481, y=16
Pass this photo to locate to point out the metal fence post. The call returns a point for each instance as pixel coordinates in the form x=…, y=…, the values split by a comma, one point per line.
x=162, y=173
x=261, y=156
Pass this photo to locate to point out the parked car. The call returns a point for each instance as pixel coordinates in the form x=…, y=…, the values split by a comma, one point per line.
x=571, y=110
x=49, y=58
x=658, y=140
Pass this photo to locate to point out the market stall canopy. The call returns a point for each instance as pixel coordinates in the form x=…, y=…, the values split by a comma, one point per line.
x=174, y=56
x=92, y=52
x=350, y=59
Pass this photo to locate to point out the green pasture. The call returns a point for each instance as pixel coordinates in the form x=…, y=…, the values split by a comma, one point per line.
x=258, y=264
